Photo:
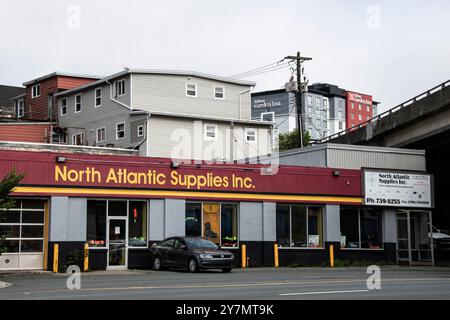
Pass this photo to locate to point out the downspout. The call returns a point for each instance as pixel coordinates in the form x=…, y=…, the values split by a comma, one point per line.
x=240, y=101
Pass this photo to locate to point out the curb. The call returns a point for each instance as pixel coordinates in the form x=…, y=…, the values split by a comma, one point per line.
x=4, y=285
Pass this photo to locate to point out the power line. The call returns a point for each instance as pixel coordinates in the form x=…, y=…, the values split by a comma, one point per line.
x=257, y=69
x=275, y=68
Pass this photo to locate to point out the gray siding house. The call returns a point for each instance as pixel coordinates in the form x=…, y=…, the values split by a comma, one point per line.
x=170, y=114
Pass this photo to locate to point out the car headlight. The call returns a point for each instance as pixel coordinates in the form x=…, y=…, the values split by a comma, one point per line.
x=232, y=256
x=206, y=256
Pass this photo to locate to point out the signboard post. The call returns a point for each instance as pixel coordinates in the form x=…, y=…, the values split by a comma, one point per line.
x=397, y=189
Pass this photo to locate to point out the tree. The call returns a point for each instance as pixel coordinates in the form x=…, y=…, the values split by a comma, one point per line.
x=289, y=140
x=9, y=182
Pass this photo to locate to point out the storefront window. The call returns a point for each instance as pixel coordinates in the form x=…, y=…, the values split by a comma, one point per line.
x=370, y=229
x=315, y=227
x=211, y=221
x=193, y=219
x=361, y=228
x=217, y=222
x=96, y=223
x=299, y=226
x=283, y=226
x=229, y=225
x=23, y=227
x=137, y=224
x=349, y=228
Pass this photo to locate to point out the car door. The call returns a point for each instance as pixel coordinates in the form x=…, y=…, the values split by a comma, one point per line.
x=164, y=250
x=178, y=255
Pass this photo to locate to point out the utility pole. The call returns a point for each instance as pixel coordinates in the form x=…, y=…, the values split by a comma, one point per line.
x=300, y=90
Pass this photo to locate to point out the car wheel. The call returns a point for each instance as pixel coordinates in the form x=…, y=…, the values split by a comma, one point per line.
x=193, y=265
x=157, y=264
x=226, y=270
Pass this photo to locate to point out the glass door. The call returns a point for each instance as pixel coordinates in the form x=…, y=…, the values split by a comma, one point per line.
x=414, y=237
x=117, y=244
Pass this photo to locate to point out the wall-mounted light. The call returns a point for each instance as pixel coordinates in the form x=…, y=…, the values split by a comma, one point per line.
x=61, y=159
x=336, y=173
x=174, y=165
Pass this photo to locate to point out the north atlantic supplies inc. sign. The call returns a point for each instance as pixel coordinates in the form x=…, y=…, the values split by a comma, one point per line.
x=393, y=189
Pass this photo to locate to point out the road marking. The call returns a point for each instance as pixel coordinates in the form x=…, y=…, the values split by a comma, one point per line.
x=322, y=292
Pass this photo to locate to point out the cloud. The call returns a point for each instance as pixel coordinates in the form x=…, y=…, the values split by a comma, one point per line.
x=406, y=55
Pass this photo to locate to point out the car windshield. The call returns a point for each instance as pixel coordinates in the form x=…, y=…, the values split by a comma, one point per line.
x=200, y=243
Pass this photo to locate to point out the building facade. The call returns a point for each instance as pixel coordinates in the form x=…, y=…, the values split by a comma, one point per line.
x=171, y=114
x=327, y=109
x=38, y=101
x=121, y=204
x=8, y=108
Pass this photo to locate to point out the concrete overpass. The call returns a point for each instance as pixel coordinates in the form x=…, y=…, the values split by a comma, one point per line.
x=422, y=122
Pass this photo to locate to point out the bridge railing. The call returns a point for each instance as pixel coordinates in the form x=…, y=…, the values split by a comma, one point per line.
x=405, y=104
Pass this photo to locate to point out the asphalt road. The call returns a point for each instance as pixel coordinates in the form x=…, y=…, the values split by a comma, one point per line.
x=250, y=284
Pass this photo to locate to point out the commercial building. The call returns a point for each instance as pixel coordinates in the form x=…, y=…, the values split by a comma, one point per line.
x=328, y=109
x=119, y=204
x=161, y=113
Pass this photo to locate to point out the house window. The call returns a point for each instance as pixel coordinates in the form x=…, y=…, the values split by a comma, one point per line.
x=360, y=117
x=191, y=90
x=219, y=92
x=120, y=88
x=318, y=102
x=353, y=105
x=120, y=131
x=325, y=124
x=368, y=108
x=36, y=91
x=340, y=114
x=268, y=116
x=101, y=135
x=310, y=101
x=78, y=103
x=217, y=222
x=341, y=125
x=360, y=107
x=353, y=116
x=98, y=97
x=361, y=228
x=78, y=139
x=140, y=131
x=250, y=135
x=325, y=103
x=20, y=109
x=210, y=132
x=299, y=226
x=63, y=107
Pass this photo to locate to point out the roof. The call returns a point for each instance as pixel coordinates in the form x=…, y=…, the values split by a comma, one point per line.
x=9, y=92
x=158, y=72
x=264, y=93
x=61, y=74
x=199, y=116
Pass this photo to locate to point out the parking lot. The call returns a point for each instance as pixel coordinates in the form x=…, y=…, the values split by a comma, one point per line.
x=249, y=284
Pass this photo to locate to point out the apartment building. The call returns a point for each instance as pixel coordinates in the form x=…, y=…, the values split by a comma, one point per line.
x=171, y=114
x=327, y=109
x=37, y=102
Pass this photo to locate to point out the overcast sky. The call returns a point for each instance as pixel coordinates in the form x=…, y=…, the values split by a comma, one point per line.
x=390, y=49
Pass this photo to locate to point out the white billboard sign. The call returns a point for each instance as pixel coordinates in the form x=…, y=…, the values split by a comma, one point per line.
x=394, y=189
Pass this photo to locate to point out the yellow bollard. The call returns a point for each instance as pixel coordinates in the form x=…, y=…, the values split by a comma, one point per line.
x=55, y=257
x=86, y=257
x=331, y=256
x=275, y=255
x=244, y=256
